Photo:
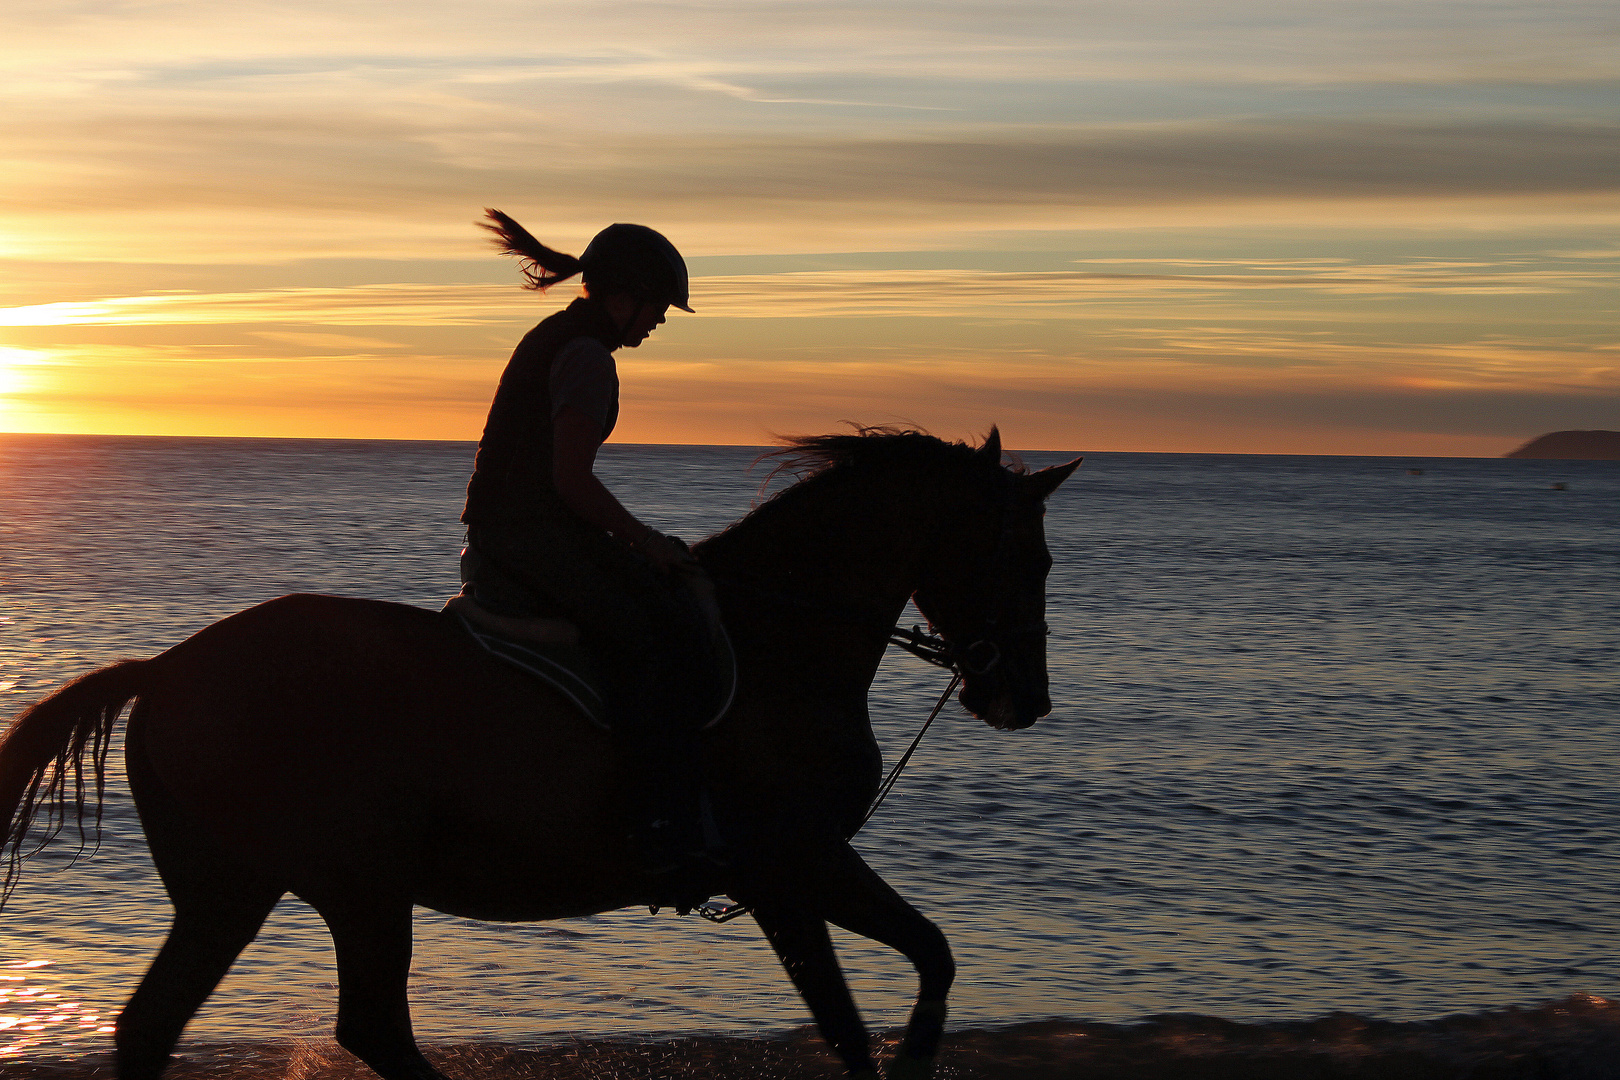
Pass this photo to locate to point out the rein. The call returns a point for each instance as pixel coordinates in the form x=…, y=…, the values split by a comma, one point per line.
x=894, y=773
x=919, y=643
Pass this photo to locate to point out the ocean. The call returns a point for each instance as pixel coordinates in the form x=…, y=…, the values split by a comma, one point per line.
x=1332, y=736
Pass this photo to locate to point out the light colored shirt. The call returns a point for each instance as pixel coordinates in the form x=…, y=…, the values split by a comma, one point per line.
x=584, y=377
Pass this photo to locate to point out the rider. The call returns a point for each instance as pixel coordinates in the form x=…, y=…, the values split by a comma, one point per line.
x=545, y=537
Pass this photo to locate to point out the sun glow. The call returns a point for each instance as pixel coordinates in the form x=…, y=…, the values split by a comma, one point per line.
x=13, y=379
x=62, y=314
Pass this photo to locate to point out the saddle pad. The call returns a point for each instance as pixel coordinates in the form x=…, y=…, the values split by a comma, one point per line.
x=565, y=668
x=570, y=670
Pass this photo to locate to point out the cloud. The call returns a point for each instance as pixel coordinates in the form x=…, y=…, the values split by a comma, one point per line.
x=218, y=188
x=1233, y=358
x=970, y=293
x=1160, y=387
x=326, y=341
x=369, y=305
x=815, y=294
x=1121, y=167
x=1498, y=414
x=1290, y=41
x=349, y=162
x=1114, y=408
x=282, y=129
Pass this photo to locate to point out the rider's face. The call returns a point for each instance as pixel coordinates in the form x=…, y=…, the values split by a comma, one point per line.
x=647, y=318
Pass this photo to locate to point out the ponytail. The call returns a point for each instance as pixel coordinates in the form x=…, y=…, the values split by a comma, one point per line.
x=541, y=266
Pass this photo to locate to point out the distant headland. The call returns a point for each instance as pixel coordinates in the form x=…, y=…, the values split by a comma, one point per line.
x=1576, y=445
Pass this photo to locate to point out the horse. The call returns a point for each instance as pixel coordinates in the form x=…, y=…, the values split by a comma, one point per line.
x=368, y=756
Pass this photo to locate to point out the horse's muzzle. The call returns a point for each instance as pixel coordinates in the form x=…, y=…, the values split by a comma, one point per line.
x=1002, y=708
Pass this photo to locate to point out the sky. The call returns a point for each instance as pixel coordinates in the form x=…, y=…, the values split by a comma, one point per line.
x=1269, y=226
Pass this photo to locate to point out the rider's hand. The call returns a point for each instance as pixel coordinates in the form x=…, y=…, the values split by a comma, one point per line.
x=666, y=553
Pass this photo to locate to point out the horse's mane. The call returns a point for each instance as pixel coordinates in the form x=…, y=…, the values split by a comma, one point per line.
x=817, y=460
x=868, y=447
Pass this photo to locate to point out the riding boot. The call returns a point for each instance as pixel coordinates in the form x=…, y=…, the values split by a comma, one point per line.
x=667, y=812
x=677, y=842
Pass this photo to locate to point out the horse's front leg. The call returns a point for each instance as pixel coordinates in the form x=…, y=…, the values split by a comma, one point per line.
x=799, y=936
x=839, y=887
x=861, y=902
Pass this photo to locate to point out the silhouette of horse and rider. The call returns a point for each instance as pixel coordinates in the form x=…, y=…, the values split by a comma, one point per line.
x=368, y=757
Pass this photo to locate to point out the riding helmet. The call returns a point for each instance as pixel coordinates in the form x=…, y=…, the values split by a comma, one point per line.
x=636, y=260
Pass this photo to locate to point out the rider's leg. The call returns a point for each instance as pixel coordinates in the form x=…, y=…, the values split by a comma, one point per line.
x=656, y=651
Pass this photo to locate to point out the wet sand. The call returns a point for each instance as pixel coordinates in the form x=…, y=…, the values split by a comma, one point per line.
x=1576, y=1038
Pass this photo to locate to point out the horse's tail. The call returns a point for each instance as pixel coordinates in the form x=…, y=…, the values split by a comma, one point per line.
x=43, y=759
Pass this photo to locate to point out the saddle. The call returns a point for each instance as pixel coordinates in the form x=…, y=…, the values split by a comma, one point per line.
x=549, y=649
x=676, y=831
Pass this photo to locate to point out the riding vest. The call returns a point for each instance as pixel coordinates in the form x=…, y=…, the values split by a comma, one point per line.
x=511, y=479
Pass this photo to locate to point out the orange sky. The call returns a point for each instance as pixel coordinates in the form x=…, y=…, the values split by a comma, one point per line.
x=1293, y=228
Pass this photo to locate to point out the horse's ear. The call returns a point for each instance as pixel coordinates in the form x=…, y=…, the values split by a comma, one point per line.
x=991, y=450
x=1043, y=483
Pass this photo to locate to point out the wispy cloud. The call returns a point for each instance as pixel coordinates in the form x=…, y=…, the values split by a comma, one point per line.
x=1217, y=389
x=348, y=183
x=1290, y=40
x=305, y=128
x=370, y=305
x=814, y=294
x=981, y=293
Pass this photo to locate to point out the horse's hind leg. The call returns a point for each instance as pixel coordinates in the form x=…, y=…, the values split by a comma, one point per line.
x=218, y=908
x=373, y=940
x=207, y=935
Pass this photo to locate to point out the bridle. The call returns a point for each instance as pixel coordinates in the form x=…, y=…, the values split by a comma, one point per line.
x=963, y=659
x=983, y=654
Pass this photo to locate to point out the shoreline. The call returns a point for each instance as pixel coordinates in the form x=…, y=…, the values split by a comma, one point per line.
x=1577, y=1038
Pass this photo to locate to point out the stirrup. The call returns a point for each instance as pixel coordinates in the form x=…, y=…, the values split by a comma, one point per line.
x=535, y=629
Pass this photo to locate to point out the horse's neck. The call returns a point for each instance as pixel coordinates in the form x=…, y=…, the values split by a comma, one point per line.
x=810, y=587
x=846, y=549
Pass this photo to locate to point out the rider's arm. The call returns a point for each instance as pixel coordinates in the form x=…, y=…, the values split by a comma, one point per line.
x=575, y=441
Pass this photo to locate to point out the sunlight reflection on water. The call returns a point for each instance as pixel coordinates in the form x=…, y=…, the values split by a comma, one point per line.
x=33, y=1016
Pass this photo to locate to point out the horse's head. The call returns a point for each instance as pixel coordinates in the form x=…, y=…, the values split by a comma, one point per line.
x=984, y=589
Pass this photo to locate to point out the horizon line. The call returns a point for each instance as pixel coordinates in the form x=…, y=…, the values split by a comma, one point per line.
x=740, y=446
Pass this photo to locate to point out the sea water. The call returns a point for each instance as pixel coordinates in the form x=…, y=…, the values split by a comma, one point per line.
x=1329, y=734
